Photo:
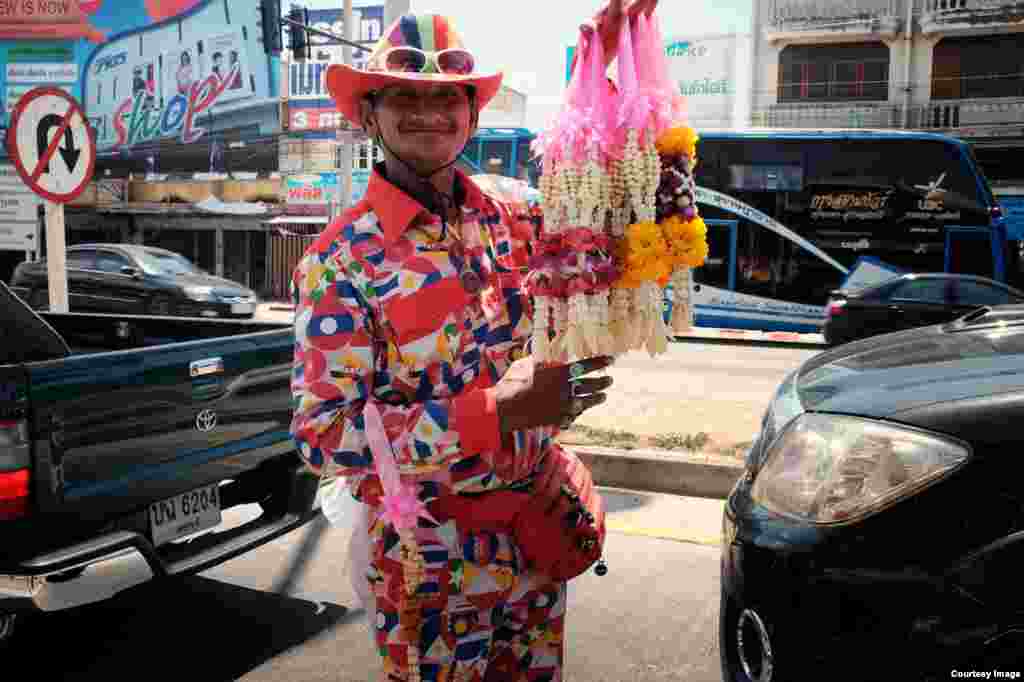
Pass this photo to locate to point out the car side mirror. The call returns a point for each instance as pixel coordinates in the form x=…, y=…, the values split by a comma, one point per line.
x=131, y=272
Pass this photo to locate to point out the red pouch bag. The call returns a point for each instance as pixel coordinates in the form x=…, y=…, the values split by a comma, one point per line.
x=561, y=530
x=558, y=521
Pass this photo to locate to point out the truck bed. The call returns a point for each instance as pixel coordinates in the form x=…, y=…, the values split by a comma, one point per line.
x=125, y=413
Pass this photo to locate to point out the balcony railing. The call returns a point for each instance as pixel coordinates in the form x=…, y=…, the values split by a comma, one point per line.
x=966, y=118
x=970, y=15
x=974, y=117
x=792, y=18
x=830, y=115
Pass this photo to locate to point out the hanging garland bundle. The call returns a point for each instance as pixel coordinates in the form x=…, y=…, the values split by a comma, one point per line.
x=572, y=268
x=620, y=212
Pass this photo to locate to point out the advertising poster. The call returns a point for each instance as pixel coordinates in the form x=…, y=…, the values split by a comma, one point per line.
x=145, y=71
x=311, y=188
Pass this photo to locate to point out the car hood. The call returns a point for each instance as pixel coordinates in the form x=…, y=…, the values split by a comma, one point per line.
x=895, y=375
x=220, y=286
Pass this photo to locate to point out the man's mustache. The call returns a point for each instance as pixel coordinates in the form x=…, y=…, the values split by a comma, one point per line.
x=418, y=128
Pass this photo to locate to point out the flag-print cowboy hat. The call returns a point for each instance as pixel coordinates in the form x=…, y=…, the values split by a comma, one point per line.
x=419, y=48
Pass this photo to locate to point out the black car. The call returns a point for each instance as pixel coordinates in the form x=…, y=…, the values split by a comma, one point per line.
x=907, y=301
x=877, y=532
x=125, y=278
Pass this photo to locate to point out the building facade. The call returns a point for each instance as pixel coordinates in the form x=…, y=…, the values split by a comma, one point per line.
x=949, y=66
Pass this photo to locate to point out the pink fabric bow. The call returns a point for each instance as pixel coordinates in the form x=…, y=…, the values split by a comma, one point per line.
x=401, y=507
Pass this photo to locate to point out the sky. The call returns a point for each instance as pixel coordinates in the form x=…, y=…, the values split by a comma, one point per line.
x=527, y=39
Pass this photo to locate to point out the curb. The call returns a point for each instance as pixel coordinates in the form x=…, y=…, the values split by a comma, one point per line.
x=659, y=471
x=715, y=334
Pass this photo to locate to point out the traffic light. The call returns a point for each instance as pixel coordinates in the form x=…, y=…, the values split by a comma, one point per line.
x=270, y=20
x=297, y=33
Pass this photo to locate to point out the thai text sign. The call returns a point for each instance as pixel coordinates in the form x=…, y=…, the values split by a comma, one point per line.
x=312, y=188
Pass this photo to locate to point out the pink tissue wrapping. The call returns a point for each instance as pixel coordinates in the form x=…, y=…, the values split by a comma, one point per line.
x=677, y=104
x=400, y=505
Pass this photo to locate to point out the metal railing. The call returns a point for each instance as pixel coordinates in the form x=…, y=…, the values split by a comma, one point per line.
x=987, y=117
x=943, y=6
x=824, y=13
x=830, y=115
x=971, y=113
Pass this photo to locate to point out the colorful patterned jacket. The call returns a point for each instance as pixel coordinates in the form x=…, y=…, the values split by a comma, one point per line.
x=385, y=307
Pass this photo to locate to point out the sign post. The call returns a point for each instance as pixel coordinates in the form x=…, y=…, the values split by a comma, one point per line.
x=54, y=151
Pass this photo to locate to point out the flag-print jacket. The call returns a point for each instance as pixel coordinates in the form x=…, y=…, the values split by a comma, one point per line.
x=386, y=307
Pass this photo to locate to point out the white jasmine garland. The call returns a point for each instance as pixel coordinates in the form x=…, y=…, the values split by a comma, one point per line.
x=541, y=329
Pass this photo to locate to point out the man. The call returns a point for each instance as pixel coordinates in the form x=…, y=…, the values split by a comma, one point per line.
x=412, y=300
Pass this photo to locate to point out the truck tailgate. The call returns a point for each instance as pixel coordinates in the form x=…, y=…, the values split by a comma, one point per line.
x=135, y=427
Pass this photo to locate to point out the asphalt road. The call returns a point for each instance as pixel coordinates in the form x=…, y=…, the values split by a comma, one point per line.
x=720, y=389
x=652, y=618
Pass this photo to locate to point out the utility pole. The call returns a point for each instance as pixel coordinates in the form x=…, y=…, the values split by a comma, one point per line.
x=345, y=134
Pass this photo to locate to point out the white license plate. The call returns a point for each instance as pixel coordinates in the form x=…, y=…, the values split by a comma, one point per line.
x=242, y=308
x=185, y=514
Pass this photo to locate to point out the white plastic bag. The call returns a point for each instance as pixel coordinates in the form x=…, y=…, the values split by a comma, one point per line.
x=344, y=511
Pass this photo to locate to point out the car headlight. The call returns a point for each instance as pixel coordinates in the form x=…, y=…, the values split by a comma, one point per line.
x=831, y=469
x=199, y=293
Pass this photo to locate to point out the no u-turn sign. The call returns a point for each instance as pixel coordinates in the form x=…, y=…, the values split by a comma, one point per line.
x=52, y=144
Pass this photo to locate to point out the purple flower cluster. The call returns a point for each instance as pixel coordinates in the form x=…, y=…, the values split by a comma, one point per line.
x=675, y=191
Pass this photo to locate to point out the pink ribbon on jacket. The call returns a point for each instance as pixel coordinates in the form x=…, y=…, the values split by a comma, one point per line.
x=401, y=506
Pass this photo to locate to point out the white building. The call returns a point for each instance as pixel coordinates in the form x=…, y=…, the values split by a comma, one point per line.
x=952, y=66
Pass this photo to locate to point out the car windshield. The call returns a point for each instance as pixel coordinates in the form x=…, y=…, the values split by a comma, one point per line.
x=164, y=263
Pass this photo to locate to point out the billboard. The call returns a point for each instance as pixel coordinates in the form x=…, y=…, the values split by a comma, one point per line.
x=145, y=71
x=713, y=73
x=306, y=79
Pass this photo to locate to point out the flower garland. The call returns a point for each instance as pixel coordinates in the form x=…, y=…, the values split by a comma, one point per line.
x=619, y=202
x=679, y=218
x=572, y=268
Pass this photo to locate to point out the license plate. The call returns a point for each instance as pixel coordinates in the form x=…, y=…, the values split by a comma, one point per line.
x=185, y=514
x=242, y=308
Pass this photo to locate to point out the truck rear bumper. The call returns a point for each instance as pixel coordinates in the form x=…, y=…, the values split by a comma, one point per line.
x=100, y=568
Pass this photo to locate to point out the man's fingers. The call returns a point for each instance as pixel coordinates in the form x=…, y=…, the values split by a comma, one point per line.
x=582, y=387
x=577, y=369
x=592, y=400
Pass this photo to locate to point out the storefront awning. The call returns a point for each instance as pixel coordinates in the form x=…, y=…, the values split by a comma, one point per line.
x=298, y=220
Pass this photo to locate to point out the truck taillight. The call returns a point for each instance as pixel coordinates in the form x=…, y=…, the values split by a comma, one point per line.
x=15, y=476
x=835, y=307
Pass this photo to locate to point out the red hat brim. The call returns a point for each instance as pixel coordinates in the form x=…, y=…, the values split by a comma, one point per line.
x=348, y=86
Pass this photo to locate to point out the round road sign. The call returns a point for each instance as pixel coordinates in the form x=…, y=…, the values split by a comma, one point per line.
x=52, y=144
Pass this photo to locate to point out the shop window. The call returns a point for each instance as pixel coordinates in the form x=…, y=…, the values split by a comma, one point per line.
x=979, y=67
x=834, y=73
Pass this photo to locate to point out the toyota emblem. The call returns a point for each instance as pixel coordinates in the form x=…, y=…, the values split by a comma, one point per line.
x=206, y=421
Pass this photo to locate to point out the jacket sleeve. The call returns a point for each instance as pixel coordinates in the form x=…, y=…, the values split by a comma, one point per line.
x=336, y=371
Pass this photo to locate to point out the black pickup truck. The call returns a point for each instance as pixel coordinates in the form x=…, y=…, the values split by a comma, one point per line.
x=122, y=441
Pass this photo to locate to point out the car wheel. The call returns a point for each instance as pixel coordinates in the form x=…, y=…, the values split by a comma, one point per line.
x=39, y=299
x=161, y=305
x=746, y=648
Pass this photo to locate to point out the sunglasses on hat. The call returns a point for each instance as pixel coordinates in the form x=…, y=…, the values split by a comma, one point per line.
x=453, y=61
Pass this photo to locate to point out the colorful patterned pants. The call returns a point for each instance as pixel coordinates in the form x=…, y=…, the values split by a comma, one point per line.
x=482, y=618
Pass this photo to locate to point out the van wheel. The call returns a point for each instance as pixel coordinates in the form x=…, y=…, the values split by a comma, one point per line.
x=39, y=299
x=160, y=305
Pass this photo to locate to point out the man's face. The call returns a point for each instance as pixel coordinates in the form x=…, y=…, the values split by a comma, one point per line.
x=426, y=124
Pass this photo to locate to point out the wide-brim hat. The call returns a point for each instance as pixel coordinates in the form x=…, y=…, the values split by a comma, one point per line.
x=428, y=32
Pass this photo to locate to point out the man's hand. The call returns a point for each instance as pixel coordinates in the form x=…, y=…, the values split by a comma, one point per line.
x=530, y=395
x=608, y=22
